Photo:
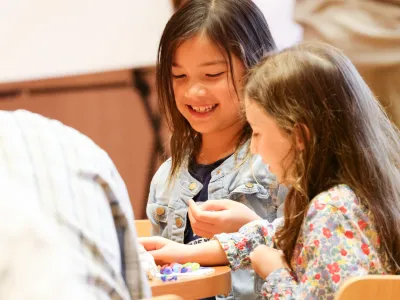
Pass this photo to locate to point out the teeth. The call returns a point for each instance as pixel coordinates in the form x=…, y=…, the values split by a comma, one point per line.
x=203, y=109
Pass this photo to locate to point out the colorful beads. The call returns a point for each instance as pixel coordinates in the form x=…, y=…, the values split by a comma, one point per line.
x=168, y=271
x=193, y=266
x=168, y=278
x=176, y=268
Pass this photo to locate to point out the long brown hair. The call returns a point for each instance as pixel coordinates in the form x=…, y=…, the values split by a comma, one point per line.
x=177, y=3
x=238, y=27
x=315, y=89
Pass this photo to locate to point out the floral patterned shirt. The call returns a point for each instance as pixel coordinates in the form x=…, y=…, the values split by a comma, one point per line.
x=337, y=241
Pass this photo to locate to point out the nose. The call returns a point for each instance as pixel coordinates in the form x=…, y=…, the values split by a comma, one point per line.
x=195, y=90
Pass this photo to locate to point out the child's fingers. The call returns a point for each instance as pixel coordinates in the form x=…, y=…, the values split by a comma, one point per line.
x=194, y=209
x=151, y=243
x=201, y=215
x=203, y=229
x=199, y=226
x=213, y=205
x=159, y=256
x=203, y=233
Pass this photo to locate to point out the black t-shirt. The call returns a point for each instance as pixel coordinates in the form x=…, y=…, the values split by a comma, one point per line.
x=202, y=173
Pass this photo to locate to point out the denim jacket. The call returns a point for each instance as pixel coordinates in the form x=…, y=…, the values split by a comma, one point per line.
x=241, y=177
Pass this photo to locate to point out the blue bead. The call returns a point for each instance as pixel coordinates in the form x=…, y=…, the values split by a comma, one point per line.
x=172, y=278
x=177, y=268
x=184, y=270
x=167, y=270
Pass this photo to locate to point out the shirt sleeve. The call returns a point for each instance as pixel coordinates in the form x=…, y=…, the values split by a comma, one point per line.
x=117, y=195
x=136, y=278
x=334, y=248
x=239, y=245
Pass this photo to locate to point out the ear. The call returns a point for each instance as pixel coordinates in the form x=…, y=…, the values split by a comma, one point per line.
x=302, y=136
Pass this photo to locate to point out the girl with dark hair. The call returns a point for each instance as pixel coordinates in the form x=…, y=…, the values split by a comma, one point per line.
x=204, y=53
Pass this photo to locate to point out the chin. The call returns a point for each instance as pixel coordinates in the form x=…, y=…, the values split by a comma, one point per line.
x=203, y=129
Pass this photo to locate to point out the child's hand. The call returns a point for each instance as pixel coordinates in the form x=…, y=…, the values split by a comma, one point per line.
x=219, y=216
x=166, y=251
x=265, y=260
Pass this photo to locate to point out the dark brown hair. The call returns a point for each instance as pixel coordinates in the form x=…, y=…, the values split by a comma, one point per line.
x=177, y=3
x=237, y=27
x=349, y=138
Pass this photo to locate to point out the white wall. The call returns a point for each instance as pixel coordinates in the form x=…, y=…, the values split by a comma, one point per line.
x=47, y=38
x=53, y=38
x=279, y=15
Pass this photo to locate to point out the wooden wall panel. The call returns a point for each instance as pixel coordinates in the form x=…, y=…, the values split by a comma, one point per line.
x=113, y=116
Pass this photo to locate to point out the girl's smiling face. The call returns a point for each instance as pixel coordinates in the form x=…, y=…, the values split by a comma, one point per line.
x=204, y=91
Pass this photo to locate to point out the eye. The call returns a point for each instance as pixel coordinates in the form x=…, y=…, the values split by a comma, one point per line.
x=215, y=75
x=255, y=134
x=178, y=76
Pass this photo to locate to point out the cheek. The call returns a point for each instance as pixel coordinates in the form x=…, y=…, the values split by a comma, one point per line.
x=224, y=89
x=230, y=102
x=253, y=146
x=220, y=90
x=178, y=91
x=270, y=152
x=179, y=95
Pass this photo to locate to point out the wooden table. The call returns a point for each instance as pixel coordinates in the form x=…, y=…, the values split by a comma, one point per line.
x=217, y=283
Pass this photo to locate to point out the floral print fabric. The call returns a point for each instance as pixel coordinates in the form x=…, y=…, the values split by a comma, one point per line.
x=337, y=241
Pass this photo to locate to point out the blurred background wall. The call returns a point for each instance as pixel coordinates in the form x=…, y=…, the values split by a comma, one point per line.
x=85, y=63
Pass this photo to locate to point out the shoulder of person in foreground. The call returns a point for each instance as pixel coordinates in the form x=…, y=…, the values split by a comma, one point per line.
x=67, y=173
x=34, y=252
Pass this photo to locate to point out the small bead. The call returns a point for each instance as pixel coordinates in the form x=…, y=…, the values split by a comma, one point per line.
x=167, y=270
x=170, y=278
x=162, y=268
x=177, y=268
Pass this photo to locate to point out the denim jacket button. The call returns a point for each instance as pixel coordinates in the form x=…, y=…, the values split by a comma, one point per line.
x=249, y=185
x=192, y=186
x=218, y=172
x=178, y=222
x=160, y=211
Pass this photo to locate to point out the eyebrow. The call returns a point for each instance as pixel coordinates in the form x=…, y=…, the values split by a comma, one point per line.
x=206, y=64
